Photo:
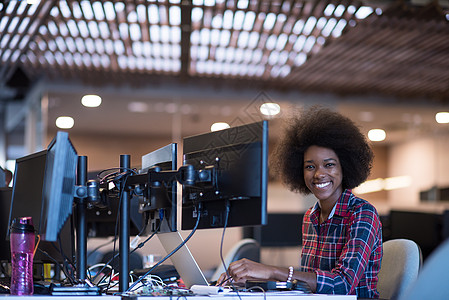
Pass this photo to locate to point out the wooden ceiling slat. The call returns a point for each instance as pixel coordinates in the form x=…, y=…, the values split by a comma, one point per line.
x=8, y=25
x=40, y=16
x=186, y=31
x=403, y=51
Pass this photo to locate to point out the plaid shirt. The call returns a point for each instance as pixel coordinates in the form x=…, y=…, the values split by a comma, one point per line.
x=345, y=252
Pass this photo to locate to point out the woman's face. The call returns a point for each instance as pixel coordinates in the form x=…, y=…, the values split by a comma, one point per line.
x=322, y=173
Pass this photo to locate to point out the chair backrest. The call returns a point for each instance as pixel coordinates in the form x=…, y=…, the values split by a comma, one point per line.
x=246, y=248
x=401, y=262
x=432, y=282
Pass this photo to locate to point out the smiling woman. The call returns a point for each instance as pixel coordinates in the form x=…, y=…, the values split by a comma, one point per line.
x=324, y=153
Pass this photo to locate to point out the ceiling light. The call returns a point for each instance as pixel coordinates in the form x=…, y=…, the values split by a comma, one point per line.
x=219, y=126
x=270, y=109
x=91, y=100
x=377, y=135
x=65, y=122
x=442, y=117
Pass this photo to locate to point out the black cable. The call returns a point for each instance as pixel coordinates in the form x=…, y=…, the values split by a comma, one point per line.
x=114, y=175
x=228, y=208
x=135, y=249
x=57, y=263
x=168, y=255
x=147, y=219
x=115, y=255
x=222, y=239
x=66, y=260
x=161, y=217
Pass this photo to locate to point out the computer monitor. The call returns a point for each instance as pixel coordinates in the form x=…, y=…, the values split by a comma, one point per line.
x=238, y=160
x=5, y=204
x=101, y=221
x=425, y=228
x=25, y=200
x=282, y=230
x=59, y=186
x=161, y=199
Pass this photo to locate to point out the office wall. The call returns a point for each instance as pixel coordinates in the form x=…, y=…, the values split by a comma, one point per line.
x=103, y=150
x=425, y=160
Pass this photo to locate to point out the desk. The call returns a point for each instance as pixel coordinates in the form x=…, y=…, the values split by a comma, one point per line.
x=243, y=296
x=256, y=296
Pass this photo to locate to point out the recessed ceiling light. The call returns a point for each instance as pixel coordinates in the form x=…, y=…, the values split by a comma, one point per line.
x=377, y=135
x=65, y=122
x=270, y=109
x=219, y=126
x=442, y=117
x=91, y=100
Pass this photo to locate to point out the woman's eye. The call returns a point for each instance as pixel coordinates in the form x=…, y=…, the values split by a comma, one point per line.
x=308, y=167
x=330, y=164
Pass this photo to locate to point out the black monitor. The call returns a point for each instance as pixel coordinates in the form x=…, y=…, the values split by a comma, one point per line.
x=102, y=221
x=238, y=158
x=59, y=186
x=160, y=200
x=282, y=230
x=425, y=228
x=5, y=204
x=25, y=200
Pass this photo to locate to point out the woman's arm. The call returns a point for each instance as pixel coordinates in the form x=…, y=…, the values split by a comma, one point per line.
x=245, y=269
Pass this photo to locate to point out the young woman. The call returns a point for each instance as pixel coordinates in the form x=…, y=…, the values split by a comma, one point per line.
x=325, y=153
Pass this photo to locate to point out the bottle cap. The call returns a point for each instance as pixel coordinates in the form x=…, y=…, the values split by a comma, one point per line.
x=22, y=225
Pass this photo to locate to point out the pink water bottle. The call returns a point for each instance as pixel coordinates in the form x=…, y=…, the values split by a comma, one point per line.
x=22, y=248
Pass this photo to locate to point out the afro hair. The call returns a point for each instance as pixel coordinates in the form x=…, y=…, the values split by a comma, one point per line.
x=322, y=127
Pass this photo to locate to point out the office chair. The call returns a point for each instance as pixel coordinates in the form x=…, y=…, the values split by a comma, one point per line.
x=246, y=248
x=401, y=262
x=432, y=280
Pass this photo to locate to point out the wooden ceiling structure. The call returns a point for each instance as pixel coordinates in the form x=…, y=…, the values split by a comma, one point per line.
x=345, y=47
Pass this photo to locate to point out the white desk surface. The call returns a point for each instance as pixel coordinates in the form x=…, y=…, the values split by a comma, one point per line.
x=233, y=296
x=260, y=296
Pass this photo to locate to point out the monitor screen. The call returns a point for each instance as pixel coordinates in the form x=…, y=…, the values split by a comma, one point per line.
x=162, y=198
x=238, y=158
x=25, y=200
x=59, y=186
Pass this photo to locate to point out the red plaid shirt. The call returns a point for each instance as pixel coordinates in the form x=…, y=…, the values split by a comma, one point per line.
x=345, y=252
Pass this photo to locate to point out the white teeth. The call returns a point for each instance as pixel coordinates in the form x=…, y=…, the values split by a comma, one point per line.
x=322, y=185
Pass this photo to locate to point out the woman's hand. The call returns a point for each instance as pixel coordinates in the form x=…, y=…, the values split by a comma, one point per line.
x=244, y=269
